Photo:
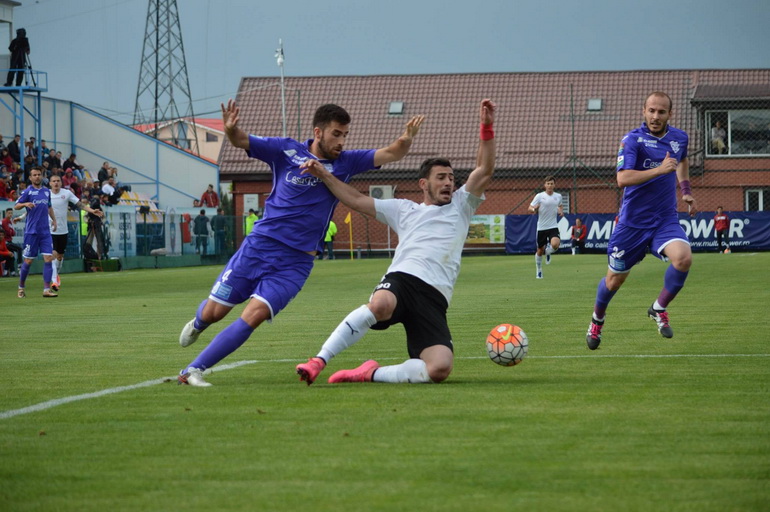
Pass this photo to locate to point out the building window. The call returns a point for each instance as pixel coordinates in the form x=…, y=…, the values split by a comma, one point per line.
x=594, y=105
x=211, y=137
x=757, y=200
x=396, y=108
x=738, y=132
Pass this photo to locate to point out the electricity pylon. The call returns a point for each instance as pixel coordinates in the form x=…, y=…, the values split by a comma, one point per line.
x=163, y=81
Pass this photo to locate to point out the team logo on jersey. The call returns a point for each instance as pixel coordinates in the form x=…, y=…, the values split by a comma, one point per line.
x=640, y=139
x=675, y=146
x=290, y=152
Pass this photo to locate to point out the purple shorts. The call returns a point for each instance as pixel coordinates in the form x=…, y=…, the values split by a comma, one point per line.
x=265, y=269
x=628, y=246
x=35, y=244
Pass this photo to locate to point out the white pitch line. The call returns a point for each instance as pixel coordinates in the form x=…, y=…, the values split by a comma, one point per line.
x=61, y=401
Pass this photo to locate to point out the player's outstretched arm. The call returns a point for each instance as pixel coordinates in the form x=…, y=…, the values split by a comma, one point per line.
x=485, y=159
x=348, y=195
x=230, y=114
x=400, y=147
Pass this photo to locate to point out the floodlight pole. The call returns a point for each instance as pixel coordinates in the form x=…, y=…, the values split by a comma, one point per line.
x=280, y=59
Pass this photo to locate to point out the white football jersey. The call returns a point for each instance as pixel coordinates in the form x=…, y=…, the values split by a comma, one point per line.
x=549, y=209
x=59, y=204
x=430, y=238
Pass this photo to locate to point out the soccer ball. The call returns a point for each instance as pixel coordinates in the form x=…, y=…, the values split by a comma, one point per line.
x=507, y=344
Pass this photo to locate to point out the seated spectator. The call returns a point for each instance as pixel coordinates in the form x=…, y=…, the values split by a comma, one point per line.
x=113, y=194
x=5, y=158
x=104, y=172
x=196, y=203
x=718, y=138
x=5, y=188
x=2, y=144
x=72, y=164
x=6, y=258
x=210, y=198
x=68, y=179
x=118, y=184
x=578, y=237
x=9, y=232
x=52, y=160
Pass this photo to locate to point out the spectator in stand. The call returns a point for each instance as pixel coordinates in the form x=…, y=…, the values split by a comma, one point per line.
x=210, y=198
x=14, y=149
x=44, y=149
x=74, y=165
x=69, y=179
x=104, y=172
x=29, y=163
x=60, y=157
x=196, y=203
x=31, y=147
x=2, y=144
x=201, y=232
x=6, y=258
x=578, y=236
x=5, y=188
x=53, y=162
x=109, y=187
x=251, y=218
x=722, y=228
x=7, y=228
x=17, y=176
x=5, y=158
x=218, y=224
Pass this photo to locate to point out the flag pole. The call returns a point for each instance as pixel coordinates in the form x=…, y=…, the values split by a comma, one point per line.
x=349, y=222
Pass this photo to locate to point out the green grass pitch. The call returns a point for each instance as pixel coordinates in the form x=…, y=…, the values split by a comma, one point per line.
x=643, y=424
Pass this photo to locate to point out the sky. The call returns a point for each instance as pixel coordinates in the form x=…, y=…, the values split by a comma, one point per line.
x=92, y=49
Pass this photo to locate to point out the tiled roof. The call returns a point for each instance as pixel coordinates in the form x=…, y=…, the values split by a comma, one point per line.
x=732, y=92
x=534, y=128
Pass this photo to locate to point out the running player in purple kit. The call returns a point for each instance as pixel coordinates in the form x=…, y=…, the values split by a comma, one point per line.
x=37, y=233
x=651, y=160
x=276, y=258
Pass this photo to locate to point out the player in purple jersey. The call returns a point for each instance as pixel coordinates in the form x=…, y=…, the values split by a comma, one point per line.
x=37, y=233
x=651, y=160
x=276, y=258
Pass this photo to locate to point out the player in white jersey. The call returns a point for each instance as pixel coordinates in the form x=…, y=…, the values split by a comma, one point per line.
x=60, y=198
x=418, y=285
x=547, y=205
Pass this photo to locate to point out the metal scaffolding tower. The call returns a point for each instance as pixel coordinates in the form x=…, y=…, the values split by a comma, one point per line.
x=163, y=78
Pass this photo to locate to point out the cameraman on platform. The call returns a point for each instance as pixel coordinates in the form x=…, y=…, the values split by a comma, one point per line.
x=19, y=50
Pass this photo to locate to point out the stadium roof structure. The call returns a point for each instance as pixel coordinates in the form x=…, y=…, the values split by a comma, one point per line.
x=541, y=116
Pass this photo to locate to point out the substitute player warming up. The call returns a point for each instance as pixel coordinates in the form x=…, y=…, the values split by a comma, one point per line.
x=651, y=159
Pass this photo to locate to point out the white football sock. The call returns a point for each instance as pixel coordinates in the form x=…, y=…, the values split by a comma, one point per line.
x=539, y=262
x=55, y=269
x=413, y=371
x=658, y=307
x=349, y=331
x=549, y=249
